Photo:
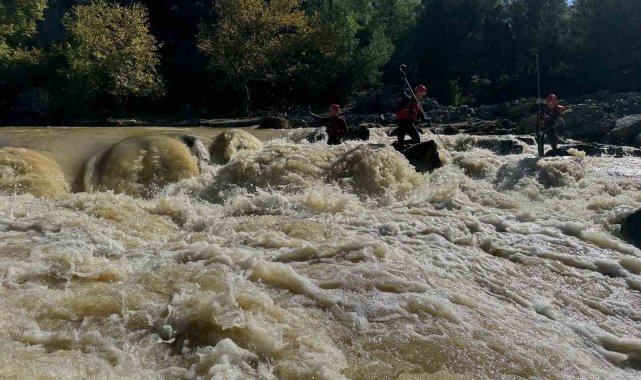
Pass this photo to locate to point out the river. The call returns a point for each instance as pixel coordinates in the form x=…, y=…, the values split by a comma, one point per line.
x=297, y=260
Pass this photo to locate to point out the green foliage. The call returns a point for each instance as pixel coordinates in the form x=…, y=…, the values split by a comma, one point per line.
x=109, y=49
x=356, y=40
x=214, y=53
x=606, y=41
x=18, y=23
x=255, y=40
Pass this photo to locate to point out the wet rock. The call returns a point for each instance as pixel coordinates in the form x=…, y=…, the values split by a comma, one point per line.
x=631, y=228
x=591, y=150
x=616, y=151
x=501, y=147
x=493, y=127
x=527, y=140
x=274, y=122
x=358, y=132
x=526, y=125
x=557, y=153
x=423, y=156
x=450, y=114
x=196, y=147
x=627, y=131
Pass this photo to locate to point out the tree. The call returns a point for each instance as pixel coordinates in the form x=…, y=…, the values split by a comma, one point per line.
x=19, y=21
x=255, y=40
x=109, y=50
x=18, y=58
x=606, y=41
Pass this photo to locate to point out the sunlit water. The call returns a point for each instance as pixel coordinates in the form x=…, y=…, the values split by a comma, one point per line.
x=303, y=261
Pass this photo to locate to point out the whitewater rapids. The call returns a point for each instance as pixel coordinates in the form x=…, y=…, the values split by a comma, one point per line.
x=303, y=261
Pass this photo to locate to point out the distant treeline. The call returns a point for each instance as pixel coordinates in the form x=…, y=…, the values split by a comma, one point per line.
x=77, y=58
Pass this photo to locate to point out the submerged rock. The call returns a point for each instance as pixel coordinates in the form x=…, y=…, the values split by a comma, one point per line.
x=275, y=122
x=140, y=165
x=25, y=171
x=631, y=228
x=229, y=143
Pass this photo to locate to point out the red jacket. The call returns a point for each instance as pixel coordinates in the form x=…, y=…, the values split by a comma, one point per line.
x=408, y=109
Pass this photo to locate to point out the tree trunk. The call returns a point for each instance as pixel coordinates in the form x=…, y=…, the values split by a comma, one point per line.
x=246, y=100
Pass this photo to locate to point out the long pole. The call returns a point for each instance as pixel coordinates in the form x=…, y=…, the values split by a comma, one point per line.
x=420, y=107
x=539, y=138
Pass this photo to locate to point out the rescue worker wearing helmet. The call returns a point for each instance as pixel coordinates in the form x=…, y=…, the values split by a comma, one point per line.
x=409, y=111
x=548, y=116
x=335, y=125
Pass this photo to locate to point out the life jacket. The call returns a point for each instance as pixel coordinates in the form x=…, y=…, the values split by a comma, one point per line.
x=408, y=110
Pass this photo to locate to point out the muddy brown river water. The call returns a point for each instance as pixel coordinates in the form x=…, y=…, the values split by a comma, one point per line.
x=296, y=260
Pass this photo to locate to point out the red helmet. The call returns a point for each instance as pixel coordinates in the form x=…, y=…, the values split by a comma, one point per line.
x=552, y=98
x=421, y=89
x=334, y=108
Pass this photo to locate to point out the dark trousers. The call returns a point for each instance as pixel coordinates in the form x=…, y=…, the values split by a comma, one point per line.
x=406, y=127
x=552, y=137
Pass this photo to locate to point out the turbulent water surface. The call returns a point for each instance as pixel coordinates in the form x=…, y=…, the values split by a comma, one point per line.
x=302, y=261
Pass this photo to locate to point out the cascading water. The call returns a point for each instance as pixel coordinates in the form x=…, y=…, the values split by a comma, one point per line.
x=298, y=261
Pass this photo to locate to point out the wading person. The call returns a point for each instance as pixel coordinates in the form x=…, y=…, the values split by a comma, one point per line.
x=335, y=125
x=408, y=113
x=548, y=116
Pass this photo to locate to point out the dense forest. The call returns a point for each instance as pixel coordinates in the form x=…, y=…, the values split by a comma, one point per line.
x=77, y=58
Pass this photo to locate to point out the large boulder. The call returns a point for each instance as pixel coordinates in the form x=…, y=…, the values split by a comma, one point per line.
x=631, y=228
x=229, y=143
x=627, y=131
x=587, y=122
x=526, y=125
x=275, y=122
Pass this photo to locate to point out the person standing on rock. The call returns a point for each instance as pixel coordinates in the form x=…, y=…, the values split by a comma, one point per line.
x=548, y=117
x=335, y=125
x=409, y=111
